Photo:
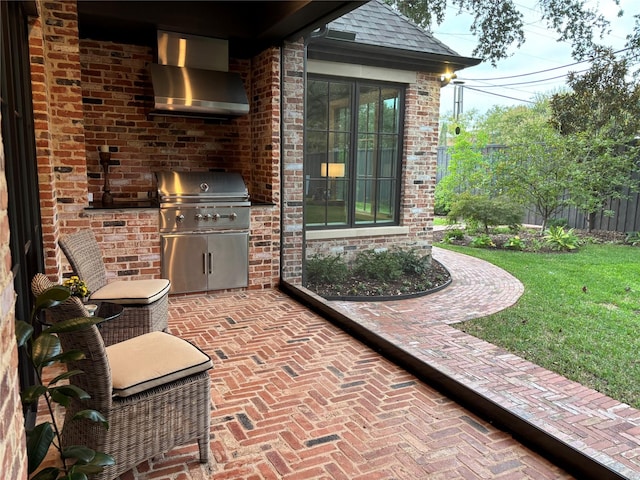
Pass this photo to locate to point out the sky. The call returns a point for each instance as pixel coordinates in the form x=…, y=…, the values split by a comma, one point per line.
x=541, y=51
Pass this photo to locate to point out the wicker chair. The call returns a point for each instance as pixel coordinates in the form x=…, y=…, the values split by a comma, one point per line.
x=146, y=302
x=161, y=403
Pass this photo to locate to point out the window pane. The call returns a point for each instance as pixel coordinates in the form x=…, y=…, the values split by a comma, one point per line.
x=388, y=156
x=339, y=148
x=368, y=109
x=366, y=155
x=386, y=205
x=364, y=212
x=340, y=107
x=390, y=110
x=317, y=105
x=316, y=153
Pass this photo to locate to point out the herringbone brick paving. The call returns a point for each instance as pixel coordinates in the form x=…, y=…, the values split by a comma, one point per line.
x=294, y=397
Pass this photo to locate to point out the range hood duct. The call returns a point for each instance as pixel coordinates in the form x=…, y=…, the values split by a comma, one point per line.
x=192, y=78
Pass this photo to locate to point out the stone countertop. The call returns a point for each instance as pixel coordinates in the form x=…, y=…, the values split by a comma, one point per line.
x=123, y=204
x=132, y=204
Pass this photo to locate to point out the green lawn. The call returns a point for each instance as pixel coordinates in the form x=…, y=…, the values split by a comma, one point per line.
x=592, y=336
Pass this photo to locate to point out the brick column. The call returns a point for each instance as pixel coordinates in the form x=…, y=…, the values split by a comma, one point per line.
x=59, y=124
x=419, y=161
x=292, y=158
x=264, y=253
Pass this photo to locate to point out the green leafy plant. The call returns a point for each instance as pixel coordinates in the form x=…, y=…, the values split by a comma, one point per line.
x=632, y=238
x=453, y=234
x=378, y=265
x=515, y=243
x=375, y=273
x=411, y=261
x=559, y=239
x=329, y=269
x=558, y=222
x=44, y=350
x=485, y=211
x=482, y=241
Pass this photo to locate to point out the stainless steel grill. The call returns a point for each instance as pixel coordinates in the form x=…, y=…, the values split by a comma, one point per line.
x=204, y=230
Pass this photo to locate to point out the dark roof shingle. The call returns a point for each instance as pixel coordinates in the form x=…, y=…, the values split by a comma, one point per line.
x=378, y=24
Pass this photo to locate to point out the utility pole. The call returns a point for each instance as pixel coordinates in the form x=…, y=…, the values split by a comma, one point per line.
x=457, y=98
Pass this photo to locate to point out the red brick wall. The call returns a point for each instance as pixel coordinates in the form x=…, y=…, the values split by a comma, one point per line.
x=117, y=98
x=13, y=458
x=107, y=88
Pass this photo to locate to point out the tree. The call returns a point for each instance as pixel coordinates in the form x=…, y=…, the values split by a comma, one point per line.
x=526, y=163
x=468, y=169
x=536, y=173
x=600, y=122
x=500, y=24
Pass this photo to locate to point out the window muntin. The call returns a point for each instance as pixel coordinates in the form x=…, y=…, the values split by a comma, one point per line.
x=352, y=160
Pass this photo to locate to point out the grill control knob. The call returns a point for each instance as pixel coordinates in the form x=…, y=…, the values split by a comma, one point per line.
x=198, y=216
x=208, y=216
x=215, y=217
x=180, y=218
x=233, y=216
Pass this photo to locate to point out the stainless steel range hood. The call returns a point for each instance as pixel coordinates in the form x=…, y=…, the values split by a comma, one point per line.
x=192, y=78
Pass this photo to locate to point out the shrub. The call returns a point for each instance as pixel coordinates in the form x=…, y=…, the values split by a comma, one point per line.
x=483, y=241
x=486, y=212
x=411, y=262
x=559, y=239
x=558, y=222
x=382, y=265
x=453, y=234
x=329, y=269
x=632, y=238
x=515, y=243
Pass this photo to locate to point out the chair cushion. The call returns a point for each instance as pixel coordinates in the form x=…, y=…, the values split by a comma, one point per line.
x=152, y=360
x=132, y=292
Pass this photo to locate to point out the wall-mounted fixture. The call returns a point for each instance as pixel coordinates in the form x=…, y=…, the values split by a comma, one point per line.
x=446, y=78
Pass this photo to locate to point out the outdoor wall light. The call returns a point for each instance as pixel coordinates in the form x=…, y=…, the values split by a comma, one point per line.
x=446, y=78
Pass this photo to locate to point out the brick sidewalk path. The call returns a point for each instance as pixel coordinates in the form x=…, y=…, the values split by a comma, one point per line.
x=294, y=397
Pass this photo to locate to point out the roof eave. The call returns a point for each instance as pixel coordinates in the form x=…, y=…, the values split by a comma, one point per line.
x=376, y=56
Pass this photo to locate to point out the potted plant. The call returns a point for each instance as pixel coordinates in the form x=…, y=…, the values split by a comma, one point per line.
x=77, y=461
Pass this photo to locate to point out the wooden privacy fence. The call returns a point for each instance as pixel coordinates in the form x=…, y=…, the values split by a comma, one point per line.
x=626, y=211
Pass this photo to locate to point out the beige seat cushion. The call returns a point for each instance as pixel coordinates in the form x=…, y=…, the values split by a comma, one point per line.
x=132, y=292
x=151, y=360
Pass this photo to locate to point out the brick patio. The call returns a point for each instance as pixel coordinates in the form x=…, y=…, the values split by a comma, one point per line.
x=295, y=397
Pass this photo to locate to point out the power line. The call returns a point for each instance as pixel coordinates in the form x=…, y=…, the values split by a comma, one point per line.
x=523, y=83
x=540, y=71
x=498, y=95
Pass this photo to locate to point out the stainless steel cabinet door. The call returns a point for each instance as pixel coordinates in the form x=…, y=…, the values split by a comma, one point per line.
x=185, y=262
x=228, y=260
